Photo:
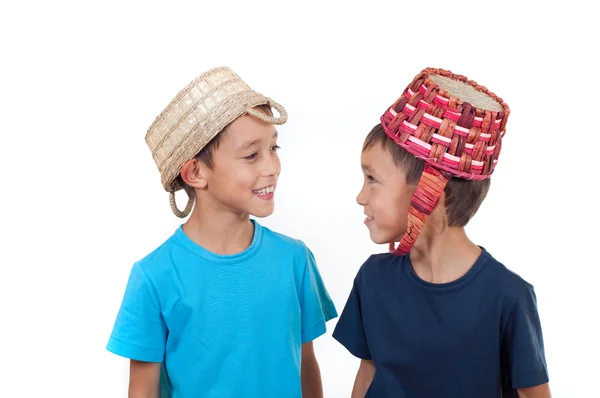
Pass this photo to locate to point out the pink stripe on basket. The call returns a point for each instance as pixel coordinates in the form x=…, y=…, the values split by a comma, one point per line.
x=432, y=121
x=461, y=131
x=435, y=122
x=416, y=150
x=408, y=127
x=451, y=160
x=440, y=139
x=423, y=149
x=422, y=145
x=476, y=164
x=449, y=113
x=408, y=109
x=490, y=149
x=441, y=100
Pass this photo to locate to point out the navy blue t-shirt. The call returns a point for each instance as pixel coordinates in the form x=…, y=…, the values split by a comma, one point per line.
x=476, y=337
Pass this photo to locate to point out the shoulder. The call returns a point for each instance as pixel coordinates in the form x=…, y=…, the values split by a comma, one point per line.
x=505, y=285
x=378, y=265
x=508, y=281
x=160, y=259
x=288, y=252
x=283, y=244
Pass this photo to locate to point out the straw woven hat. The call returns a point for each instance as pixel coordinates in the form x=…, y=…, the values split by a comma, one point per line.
x=452, y=123
x=199, y=112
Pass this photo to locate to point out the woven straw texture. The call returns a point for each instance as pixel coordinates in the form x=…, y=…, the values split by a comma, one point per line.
x=422, y=203
x=435, y=121
x=195, y=116
x=452, y=123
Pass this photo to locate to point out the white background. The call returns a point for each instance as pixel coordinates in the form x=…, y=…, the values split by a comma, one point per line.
x=80, y=83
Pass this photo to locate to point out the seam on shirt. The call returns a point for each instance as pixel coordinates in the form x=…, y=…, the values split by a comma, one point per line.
x=541, y=377
x=319, y=322
x=304, y=272
x=437, y=290
x=468, y=283
x=512, y=310
x=248, y=256
x=321, y=325
x=541, y=370
x=329, y=313
x=154, y=289
x=126, y=343
x=221, y=261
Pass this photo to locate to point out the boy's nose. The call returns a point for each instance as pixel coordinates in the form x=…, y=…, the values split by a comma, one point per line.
x=361, y=197
x=272, y=166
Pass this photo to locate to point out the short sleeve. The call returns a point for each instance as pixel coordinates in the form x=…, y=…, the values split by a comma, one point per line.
x=349, y=330
x=523, y=345
x=139, y=331
x=316, y=306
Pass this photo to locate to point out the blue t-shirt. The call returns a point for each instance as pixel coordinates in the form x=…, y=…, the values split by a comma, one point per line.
x=224, y=325
x=476, y=337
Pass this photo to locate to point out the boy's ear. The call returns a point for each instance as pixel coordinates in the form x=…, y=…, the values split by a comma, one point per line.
x=194, y=173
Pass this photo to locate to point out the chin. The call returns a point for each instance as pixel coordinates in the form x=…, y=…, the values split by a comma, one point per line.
x=381, y=239
x=378, y=239
x=262, y=213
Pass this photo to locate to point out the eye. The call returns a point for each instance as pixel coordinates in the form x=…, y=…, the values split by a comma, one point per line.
x=275, y=148
x=251, y=156
x=370, y=178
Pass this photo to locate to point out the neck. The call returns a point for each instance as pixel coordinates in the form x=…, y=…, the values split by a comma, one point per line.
x=219, y=231
x=443, y=257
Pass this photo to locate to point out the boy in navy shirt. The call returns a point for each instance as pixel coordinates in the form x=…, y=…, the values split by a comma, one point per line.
x=439, y=316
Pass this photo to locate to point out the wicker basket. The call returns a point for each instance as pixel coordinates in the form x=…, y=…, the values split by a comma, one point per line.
x=452, y=123
x=199, y=112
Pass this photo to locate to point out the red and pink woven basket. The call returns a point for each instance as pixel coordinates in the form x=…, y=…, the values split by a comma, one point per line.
x=452, y=123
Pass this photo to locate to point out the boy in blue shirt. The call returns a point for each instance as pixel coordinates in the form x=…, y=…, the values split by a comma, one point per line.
x=438, y=316
x=227, y=306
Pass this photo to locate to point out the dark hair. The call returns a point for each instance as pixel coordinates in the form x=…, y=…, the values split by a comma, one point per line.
x=463, y=197
x=205, y=154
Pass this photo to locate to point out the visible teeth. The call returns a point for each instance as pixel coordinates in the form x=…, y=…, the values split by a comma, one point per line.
x=265, y=191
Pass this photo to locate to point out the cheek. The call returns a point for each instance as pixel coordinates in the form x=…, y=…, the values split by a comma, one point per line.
x=394, y=210
x=233, y=181
x=278, y=162
x=243, y=179
x=397, y=214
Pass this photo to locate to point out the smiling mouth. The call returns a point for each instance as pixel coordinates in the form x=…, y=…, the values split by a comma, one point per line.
x=265, y=191
x=368, y=220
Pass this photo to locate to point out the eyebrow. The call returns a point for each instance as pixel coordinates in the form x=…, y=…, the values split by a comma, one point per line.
x=366, y=168
x=254, y=142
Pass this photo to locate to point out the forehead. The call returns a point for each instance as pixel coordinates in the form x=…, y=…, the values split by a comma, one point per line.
x=247, y=129
x=377, y=158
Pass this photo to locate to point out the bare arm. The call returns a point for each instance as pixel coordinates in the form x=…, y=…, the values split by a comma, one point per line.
x=363, y=380
x=312, y=386
x=541, y=391
x=144, y=379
